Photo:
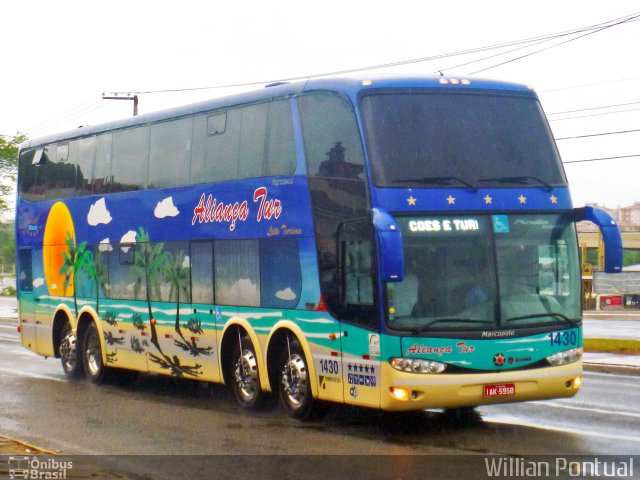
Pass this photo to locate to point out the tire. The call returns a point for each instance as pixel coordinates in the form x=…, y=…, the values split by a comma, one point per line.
x=295, y=392
x=71, y=361
x=92, y=355
x=245, y=376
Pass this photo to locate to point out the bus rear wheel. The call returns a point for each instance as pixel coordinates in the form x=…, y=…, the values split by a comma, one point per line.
x=71, y=361
x=245, y=376
x=92, y=350
x=296, y=396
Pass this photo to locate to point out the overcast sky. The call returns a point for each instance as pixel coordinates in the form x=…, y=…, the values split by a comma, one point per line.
x=59, y=57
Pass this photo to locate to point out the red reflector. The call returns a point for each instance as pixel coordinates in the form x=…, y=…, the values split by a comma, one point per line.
x=322, y=307
x=167, y=335
x=18, y=328
x=334, y=354
x=120, y=331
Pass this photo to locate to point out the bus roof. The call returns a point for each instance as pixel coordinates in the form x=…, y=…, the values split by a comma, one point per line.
x=350, y=86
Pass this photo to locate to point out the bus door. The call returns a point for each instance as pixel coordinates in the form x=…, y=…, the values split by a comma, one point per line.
x=360, y=327
x=26, y=304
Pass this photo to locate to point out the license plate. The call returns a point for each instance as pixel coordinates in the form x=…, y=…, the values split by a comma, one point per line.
x=503, y=390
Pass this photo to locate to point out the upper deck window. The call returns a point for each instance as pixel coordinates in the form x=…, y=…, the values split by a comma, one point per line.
x=431, y=139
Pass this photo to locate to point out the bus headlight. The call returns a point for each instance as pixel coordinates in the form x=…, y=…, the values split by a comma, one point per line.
x=567, y=356
x=417, y=365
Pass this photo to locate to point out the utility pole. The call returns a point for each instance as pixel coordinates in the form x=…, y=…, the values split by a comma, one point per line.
x=123, y=96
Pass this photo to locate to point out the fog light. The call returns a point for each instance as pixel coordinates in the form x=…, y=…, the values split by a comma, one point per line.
x=399, y=393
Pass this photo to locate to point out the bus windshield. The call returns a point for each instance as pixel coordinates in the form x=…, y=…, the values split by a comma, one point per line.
x=486, y=272
x=428, y=139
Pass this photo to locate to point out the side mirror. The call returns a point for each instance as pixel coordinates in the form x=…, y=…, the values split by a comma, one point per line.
x=613, y=252
x=389, y=238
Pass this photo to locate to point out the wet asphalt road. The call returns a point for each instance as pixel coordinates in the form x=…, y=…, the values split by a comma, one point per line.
x=161, y=416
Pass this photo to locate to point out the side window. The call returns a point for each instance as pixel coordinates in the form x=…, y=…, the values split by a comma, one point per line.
x=84, y=282
x=130, y=158
x=331, y=137
x=337, y=183
x=202, y=272
x=170, y=153
x=280, y=150
x=252, y=140
x=25, y=279
x=358, y=280
x=127, y=279
x=280, y=276
x=237, y=272
x=85, y=165
x=245, y=142
x=31, y=174
x=60, y=172
x=172, y=284
x=102, y=170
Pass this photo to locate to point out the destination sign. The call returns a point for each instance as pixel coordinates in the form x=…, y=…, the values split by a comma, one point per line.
x=443, y=225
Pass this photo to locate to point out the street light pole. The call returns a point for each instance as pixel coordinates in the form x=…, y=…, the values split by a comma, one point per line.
x=122, y=96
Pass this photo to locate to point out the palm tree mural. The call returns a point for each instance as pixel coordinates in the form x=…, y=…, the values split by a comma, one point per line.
x=149, y=265
x=178, y=277
x=76, y=259
x=152, y=265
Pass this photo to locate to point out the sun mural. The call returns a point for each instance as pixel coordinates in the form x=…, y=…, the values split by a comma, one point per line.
x=59, y=226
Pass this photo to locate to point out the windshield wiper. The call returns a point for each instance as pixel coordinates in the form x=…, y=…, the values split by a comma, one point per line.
x=438, y=181
x=424, y=328
x=519, y=180
x=570, y=321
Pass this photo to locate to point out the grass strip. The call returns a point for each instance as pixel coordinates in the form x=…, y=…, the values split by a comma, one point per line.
x=612, y=345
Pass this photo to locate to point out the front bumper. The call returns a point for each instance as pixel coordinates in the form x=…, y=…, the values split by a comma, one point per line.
x=421, y=391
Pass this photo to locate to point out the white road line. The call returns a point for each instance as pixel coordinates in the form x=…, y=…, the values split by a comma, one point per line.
x=9, y=339
x=608, y=375
x=594, y=410
x=516, y=421
x=23, y=373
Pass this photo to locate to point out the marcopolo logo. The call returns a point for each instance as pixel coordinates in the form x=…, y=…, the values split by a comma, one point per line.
x=38, y=468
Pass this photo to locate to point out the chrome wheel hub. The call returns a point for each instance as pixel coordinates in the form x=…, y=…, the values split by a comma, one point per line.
x=294, y=380
x=68, y=350
x=93, y=355
x=246, y=375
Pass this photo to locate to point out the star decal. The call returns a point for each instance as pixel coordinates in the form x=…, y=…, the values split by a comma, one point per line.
x=488, y=200
x=553, y=199
x=411, y=201
x=522, y=199
x=451, y=200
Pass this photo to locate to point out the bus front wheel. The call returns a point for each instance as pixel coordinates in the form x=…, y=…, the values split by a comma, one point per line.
x=71, y=361
x=295, y=383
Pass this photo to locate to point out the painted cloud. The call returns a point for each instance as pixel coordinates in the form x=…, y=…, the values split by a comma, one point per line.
x=105, y=245
x=287, y=294
x=38, y=282
x=98, y=213
x=129, y=237
x=166, y=208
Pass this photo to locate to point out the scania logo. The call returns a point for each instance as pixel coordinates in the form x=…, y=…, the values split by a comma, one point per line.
x=498, y=359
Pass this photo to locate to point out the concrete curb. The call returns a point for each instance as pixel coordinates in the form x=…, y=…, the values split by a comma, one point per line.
x=610, y=368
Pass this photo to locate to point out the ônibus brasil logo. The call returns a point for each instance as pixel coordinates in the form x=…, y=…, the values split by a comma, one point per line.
x=498, y=359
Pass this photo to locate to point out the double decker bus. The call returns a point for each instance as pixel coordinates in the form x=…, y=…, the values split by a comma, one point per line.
x=396, y=243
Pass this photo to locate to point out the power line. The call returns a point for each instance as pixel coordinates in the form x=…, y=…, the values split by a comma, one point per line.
x=594, y=108
x=593, y=115
x=630, y=19
x=590, y=29
x=597, y=135
x=601, y=159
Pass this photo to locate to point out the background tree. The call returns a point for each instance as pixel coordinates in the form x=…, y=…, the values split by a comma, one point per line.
x=8, y=167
